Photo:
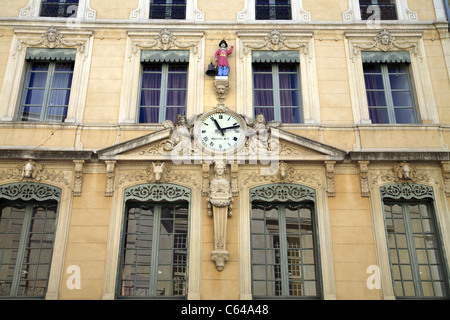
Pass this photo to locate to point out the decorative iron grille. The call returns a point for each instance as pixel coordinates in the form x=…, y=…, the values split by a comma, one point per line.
x=168, y=10
x=273, y=11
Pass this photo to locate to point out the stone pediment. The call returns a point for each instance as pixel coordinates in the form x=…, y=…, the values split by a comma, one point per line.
x=161, y=146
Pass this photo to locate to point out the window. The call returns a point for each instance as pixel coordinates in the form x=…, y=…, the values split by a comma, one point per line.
x=168, y=9
x=276, y=91
x=154, y=250
x=389, y=93
x=273, y=10
x=284, y=250
x=46, y=91
x=59, y=8
x=417, y=266
x=378, y=9
x=27, y=232
x=163, y=92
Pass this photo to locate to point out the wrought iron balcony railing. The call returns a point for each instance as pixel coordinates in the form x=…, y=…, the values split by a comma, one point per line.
x=59, y=9
x=168, y=11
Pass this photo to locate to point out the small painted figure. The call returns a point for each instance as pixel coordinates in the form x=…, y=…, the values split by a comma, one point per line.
x=223, y=68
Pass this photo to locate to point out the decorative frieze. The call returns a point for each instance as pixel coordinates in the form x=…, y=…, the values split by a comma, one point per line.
x=33, y=171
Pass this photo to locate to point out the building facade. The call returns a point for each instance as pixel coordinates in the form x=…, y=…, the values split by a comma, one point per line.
x=237, y=150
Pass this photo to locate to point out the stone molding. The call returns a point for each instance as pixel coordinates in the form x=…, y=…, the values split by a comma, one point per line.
x=51, y=37
x=385, y=41
x=275, y=40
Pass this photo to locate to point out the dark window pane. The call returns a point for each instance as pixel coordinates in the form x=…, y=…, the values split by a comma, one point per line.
x=378, y=115
x=176, y=98
x=267, y=112
x=289, y=98
x=149, y=115
x=404, y=115
x=37, y=80
x=30, y=114
x=55, y=8
x=150, y=97
x=263, y=98
x=374, y=81
x=291, y=115
x=402, y=98
x=262, y=81
x=399, y=81
x=177, y=81
x=34, y=96
x=62, y=80
x=288, y=81
x=376, y=98
x=163, y=10
x=151, y=80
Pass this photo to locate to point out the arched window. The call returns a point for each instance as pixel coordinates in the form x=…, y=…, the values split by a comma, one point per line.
x=284, y=242
x=414, y=243
x=28, y=215
x=154, y=248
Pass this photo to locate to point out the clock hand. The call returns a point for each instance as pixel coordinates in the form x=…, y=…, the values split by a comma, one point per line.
x=232, y=127
x=217, y=125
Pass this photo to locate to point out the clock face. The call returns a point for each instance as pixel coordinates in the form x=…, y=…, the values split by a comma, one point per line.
x=221, y=132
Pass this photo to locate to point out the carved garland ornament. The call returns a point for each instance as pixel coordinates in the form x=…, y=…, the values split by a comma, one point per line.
x=384, y=41
x=52, y=38
x=406, y=191
x=164, y=40
x=282, y=192
x=30, y=191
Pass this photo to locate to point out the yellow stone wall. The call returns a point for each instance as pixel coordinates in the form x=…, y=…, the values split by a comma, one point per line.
x=350, y=213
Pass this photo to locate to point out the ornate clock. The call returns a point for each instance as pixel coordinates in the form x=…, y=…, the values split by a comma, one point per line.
x=220, y=131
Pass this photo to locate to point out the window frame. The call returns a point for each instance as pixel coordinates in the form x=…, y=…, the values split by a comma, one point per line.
x=169, y=3
x=356, y=42
x=274, y=4
x=47, y=91
x=298, y=13
x=403, y=12
x=165, y=71
x=10, y=94
x=395, y=7
x=276, y=89
x=411, y=246
x=249, y=42
x=387, y=89
x=142, y=13
x=22, y=246
x=284, y=256
x=33, y=9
